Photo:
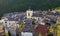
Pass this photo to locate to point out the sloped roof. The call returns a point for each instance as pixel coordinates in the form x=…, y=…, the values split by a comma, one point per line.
x=41, y=29
x=37, y=15
x=28, y=26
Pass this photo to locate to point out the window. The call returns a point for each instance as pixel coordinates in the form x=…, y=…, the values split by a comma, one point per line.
x=5, y=22
x=28, y=14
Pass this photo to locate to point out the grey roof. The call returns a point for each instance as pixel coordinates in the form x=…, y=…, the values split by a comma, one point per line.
x=37, y=15
x=50, y=13
x=28, y=27
x=15, y=16
x=57, y=13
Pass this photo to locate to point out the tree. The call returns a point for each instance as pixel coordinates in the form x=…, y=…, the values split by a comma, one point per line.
x=33, y=22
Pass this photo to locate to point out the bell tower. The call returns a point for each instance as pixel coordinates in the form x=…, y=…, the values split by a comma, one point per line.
x=29, y=13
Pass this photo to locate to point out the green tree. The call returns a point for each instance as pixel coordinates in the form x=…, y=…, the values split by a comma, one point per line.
x=33, y=22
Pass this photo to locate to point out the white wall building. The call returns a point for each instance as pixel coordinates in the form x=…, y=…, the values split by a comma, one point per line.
x=9, y=25
x=29, y=13
x=26, y=34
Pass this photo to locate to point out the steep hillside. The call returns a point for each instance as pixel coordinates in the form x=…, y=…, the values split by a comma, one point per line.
x=22, y=5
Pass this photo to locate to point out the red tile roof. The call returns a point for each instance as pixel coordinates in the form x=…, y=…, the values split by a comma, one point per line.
x=41, y=29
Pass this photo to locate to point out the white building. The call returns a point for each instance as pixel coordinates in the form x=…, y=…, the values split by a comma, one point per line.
x=29, y=13
x=35, y=15
x=26, y=34
x=8, y=25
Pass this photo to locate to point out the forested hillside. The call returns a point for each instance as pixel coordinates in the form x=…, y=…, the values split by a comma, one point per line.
x=22, y=5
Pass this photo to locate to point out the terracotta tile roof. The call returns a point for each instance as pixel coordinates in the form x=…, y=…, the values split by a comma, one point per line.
x=41, y=29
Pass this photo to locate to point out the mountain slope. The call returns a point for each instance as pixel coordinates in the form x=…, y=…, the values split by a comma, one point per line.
x=22, y=5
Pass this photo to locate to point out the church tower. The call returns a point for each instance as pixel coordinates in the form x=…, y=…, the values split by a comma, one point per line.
x=29, y=13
